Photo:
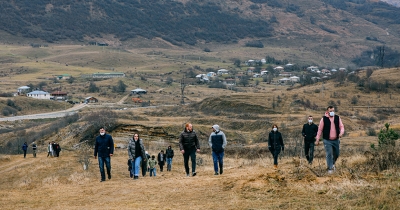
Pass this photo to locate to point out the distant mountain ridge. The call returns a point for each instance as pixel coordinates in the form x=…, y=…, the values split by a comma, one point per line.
x=328, y=28
x=392, y=2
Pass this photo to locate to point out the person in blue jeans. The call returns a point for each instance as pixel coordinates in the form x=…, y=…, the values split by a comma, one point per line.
x=331, y=129
x=151, y=164
x=136, y=153
x=104, y=149
x=217, y=142
x=169, y=154
x=25, y=148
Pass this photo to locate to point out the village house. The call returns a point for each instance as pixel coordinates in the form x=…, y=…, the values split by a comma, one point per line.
x=222, y=71
x=138, y=91
x=21, y=91
x=39, y=94
x=279, y=68
x=58, y=95
x=90, y=99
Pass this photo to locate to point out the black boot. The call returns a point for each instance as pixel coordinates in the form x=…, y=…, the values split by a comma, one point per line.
x=221, y=170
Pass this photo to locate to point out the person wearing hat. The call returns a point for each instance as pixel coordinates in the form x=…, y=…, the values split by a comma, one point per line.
x=217, y=142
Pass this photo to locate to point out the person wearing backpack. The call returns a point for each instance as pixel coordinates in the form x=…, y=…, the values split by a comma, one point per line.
x=25, y=148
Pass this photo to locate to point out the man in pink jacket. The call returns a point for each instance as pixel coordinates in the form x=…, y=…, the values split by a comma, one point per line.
x=332, y=129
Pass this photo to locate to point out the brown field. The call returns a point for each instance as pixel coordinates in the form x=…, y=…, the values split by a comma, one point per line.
x=245, y=115
x=43, y=183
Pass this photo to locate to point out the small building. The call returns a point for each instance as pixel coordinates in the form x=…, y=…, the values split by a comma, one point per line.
x=264, y=73
x=285, y=74
x=230, y=81
x=138, y=91
x=211, y=74
x=279, y=68
x=313, y=68
x=63, y=76
x=21, y=91
x=222, y=71
x=39, y=94
x=108, y=75
x=263, y=61
x=295, y=79
x=58, y=95
x=284, y=80
x=91, y=99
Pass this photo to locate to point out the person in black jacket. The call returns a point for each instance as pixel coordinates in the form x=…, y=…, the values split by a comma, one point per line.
x=169, y=154
x=309, y=133
x=104, y=149
x=161, y=160
x=189, y=145
x=137, y=153
x=275, y=144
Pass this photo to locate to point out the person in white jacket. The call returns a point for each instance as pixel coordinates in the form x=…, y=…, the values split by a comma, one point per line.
x=50, y=150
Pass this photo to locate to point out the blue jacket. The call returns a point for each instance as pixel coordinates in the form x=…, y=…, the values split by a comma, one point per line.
x=24, y=147
x=104, y=146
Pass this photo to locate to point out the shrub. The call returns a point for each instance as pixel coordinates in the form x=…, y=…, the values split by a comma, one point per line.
x=371, y=132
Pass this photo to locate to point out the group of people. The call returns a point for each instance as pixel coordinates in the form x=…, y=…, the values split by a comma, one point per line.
x=139, y=158
x=53, y=149
x=330, y=128
x=25, y=148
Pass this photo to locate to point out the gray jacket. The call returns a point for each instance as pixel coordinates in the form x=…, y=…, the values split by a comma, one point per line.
x=131, y=148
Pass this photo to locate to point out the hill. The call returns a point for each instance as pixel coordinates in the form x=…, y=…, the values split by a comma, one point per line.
x=326, y=32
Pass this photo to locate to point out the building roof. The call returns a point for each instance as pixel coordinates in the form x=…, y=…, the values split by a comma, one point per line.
x=24, y=87
x=39, y=92
x=139, y=90
x=58, y=93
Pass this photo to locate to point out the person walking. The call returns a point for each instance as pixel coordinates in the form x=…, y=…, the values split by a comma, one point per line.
x=217, y=142
x=34, y=147
x=161, y=160
x=49, y=150
x=309, y=133
x=25, y=148
x=332, y=129
x=104, y=149
x=152, y=166
x=169, y=154
x=136, y=153
x=144, y=163
x=275, y=144
x=189, y=145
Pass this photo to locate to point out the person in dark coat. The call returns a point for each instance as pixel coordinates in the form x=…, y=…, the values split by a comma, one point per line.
x=144, y=164
x=161, y=160
x=25, y=148
x=275, y=144
x=309, y=133
x=169, y=154
x=104, y=149
x=189, y=145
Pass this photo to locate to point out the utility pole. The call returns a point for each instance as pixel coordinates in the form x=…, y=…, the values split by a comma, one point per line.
x=183, y=85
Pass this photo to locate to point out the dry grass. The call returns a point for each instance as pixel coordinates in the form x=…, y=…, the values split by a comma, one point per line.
x=43, y=183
